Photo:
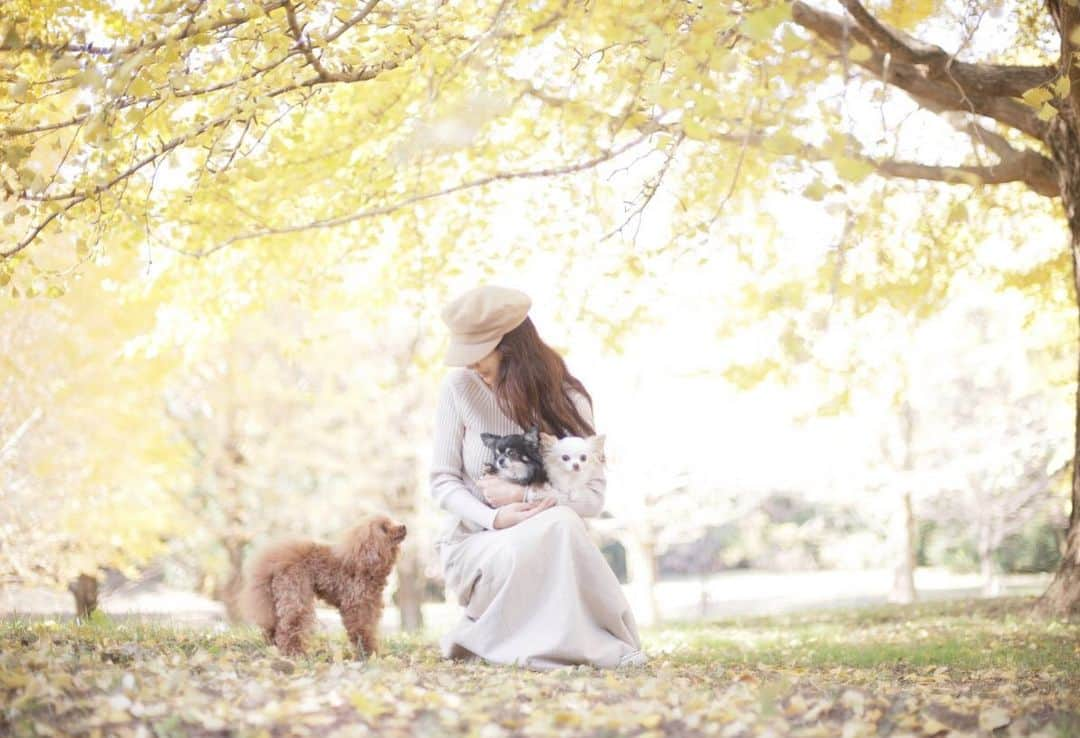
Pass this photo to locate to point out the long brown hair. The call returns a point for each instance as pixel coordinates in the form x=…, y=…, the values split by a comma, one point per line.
x=532, y=385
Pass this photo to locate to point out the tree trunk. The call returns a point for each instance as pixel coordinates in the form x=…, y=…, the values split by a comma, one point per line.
x=1062, y=597
x=991, y=585
x=410, y=590
x=85, y=590
x=641, y=561
x=229, y=593
x=904, y=534
x=903, y=586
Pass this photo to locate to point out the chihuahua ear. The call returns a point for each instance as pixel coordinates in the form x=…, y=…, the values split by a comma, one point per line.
x=533, y=435
x=597, y=444
x=547, y=441
x=489, y=440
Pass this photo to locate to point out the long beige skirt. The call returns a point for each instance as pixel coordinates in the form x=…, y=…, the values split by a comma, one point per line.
x=538, y=594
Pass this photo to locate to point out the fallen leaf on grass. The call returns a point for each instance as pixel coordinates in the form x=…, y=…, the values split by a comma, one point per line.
x=993, y=717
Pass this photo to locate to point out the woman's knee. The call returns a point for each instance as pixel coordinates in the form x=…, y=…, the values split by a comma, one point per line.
x=561, y=516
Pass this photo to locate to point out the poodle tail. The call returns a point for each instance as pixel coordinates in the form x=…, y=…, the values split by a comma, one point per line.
x=256, y=595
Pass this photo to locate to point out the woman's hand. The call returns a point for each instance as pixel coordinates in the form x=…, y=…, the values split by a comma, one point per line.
x=499, y=492
x=516, y=512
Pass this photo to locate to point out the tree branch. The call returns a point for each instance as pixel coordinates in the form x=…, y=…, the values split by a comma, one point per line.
x=358, y=17
x=194, y=29
x=990, y=139
x=1034, y=170
x=129, y=102
x=1067, y=20
x=387, y=209
x=903, y=47
x=982, y=79
x=362, y=75
x=15, y=437
x=649, y=190
x=304, y=43
x=983, y=89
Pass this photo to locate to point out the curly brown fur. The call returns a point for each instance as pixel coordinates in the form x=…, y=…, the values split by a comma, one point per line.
x=283, y=581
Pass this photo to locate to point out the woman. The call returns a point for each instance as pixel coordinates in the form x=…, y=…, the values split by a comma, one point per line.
x=536, y=590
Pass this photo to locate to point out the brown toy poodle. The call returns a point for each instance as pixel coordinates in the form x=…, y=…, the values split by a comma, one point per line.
x=283, y=581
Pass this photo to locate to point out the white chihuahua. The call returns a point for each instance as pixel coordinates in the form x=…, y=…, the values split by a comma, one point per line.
x=572, y=462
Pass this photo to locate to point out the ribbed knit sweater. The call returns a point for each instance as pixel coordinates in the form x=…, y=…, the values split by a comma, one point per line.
x=466, y=408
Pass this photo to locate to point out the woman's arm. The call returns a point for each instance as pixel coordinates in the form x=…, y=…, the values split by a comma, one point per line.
x=447, y=469
x=587, y=502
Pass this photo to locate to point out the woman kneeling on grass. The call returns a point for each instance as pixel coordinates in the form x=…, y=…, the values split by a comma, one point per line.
x=537, y=592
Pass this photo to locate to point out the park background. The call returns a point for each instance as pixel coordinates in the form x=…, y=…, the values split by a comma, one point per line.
x=828, y=323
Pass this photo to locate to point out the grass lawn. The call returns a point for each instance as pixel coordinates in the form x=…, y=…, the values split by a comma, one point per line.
x=974, y=668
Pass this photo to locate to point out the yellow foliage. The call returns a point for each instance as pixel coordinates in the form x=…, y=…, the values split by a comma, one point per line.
x=906, y=14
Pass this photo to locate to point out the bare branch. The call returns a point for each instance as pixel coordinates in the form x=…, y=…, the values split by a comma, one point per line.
x=649, y=189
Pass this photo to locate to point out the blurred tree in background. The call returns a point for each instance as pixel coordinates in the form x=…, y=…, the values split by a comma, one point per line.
x=201, y=163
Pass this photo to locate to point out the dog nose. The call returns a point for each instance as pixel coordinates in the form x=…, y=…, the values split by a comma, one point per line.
x=576, y=467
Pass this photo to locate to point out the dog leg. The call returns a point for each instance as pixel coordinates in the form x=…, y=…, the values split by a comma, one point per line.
x=358, y=619
x=294, y=605
x=368, y=642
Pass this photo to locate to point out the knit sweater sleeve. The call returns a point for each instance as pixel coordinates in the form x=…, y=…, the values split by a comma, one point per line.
x=587, y=502
x=447, y=468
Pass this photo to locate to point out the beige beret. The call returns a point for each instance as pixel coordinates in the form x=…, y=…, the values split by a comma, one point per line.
x=479, y=319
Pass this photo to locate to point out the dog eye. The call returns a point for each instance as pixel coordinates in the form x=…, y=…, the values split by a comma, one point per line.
x=566, y=457
x=583, y=457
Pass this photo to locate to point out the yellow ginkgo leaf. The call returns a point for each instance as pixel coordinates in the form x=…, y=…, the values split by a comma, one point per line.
x=1046, y=112
x=1062, y=86
x=860, y=53
x=1036, y=96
